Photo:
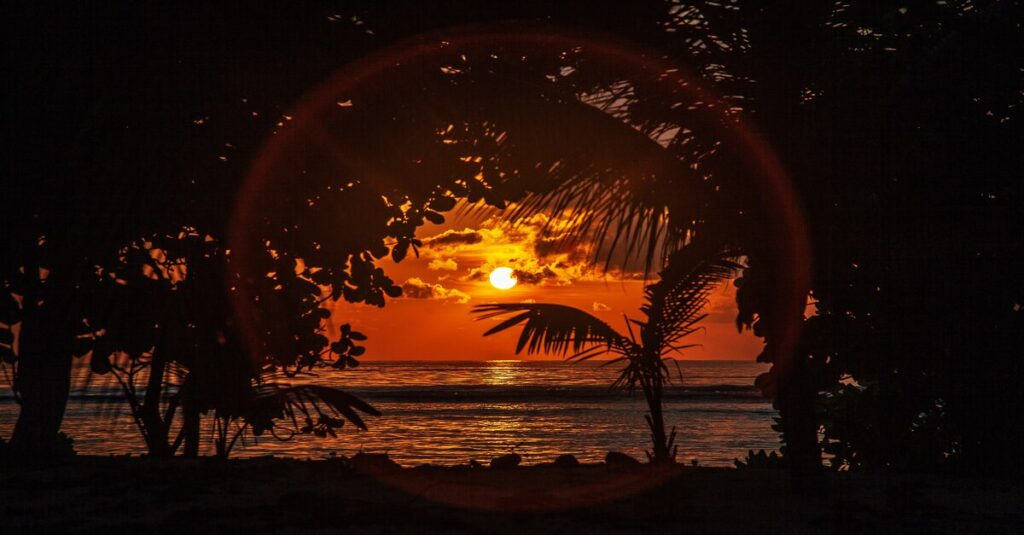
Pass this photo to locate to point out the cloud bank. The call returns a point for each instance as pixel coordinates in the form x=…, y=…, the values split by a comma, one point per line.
x=416, y=288
x=541, y=250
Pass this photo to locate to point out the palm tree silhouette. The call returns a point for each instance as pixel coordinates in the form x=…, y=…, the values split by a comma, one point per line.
x=674, y=307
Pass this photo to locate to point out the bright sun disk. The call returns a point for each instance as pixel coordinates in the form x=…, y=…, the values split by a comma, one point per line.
x=503, y=278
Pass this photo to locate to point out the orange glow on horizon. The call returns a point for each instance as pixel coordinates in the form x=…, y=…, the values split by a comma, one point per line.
x=456, y=270
x=431, y=321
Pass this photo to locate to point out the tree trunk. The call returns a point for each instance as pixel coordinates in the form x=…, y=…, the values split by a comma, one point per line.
x=45, y=346
x=656, y=421
x=155, y=428
x=799, y=423
x=190, y=418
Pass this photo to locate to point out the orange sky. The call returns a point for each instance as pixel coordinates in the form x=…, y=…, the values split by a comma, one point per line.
x=432, y=321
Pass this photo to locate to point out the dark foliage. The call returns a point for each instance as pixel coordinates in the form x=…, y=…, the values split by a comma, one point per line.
x=760, y=461
x=898, y=122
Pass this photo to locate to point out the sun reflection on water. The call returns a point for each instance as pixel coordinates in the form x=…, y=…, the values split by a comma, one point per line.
x=503, y=372
x=451, y=412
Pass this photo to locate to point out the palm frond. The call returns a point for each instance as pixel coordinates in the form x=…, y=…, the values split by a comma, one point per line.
x=555, y=329
x=288, y=399
x=615, y=181
x=676, y=303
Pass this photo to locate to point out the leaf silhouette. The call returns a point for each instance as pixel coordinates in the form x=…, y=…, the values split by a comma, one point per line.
x=553, y=328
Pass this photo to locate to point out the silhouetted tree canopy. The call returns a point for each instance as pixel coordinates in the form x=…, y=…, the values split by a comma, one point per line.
x=133, y=129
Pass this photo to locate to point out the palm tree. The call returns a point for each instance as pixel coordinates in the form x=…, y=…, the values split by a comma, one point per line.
x=674, y=308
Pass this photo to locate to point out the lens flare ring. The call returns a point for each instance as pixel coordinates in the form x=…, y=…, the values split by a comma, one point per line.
x=276, y=158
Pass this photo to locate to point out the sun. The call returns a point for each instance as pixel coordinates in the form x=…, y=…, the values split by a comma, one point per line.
x=503, y=278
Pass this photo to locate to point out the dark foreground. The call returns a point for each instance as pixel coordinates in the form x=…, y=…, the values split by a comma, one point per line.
x=117, y=494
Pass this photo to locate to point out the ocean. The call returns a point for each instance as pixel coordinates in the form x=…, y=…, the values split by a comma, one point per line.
x=451, y=412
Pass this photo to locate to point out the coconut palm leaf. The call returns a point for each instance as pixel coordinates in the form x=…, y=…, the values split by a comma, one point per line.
x=615, y=180
x=676, y=303
x=276, y=399
x=555, y=329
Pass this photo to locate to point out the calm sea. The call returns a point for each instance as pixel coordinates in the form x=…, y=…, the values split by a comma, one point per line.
x=451, y=412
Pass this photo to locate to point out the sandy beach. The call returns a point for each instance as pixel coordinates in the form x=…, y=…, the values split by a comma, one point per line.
x=118, y=494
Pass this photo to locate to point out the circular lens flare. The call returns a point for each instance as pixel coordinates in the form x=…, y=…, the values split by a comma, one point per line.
x=503, y=278
x=308, y=139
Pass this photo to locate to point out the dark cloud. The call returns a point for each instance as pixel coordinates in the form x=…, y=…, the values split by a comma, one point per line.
x=535, y=277
x=545, y=247
x=415, y=288
x=455, y=237
x=523, y=276
x=476, y=274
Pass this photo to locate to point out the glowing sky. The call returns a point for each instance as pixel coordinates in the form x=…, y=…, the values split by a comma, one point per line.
x=432, y=320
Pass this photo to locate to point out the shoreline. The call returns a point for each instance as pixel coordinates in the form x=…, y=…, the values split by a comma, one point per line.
x=439, y=414
x=90, y=494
